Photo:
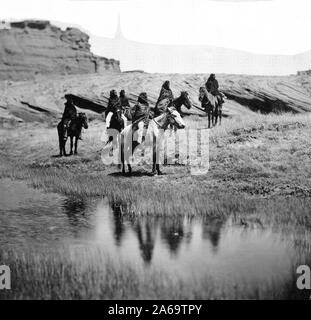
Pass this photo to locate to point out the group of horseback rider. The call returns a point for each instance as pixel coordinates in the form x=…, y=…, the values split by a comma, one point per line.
x=119, y=110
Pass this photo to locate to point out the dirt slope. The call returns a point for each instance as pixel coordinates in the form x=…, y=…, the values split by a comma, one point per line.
x=42, y=99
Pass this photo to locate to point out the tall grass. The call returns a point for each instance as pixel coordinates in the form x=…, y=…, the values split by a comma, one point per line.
x=80, y=273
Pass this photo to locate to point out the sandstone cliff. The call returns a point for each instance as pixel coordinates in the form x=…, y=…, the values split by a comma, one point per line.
x=29, y=48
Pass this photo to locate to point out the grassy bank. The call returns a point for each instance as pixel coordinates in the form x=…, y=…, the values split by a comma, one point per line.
x=259, y=175
x=252, y=157
x=79, y=273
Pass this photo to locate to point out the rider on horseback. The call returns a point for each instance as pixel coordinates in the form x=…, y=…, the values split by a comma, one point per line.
x=114, y=115
x=125, y=105
x=212, y=87
x=70, y=113
x=165, y=94
x=141, y=116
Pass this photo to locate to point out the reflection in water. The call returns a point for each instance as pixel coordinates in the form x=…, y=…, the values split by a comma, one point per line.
x=75, y=209
x=211, y=230
x=145, y=232
x=118, y=225
x=180, y=245
x=172, y=232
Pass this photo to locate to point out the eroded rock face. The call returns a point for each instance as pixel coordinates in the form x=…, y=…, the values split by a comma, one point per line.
x=30, y=48
x=304, y=73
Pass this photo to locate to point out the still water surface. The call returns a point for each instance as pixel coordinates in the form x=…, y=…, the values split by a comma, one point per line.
x=32, y=218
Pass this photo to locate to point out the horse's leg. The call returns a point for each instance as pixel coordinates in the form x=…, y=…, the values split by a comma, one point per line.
x=215, y=116
x=60, y=139
x=122, y=153
x=155, y=157
x=165, y=152
x=76, y=144
x=159, y=172
x=176, y=138
x=71, y=144
x=154, y=154
x=64, y=147
x=134, y=145
x=129, y=167
x=220, y=116
x=209, y=118
x=119, y=144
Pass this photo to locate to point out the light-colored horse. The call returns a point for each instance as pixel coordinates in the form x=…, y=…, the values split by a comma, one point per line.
x=154, y=137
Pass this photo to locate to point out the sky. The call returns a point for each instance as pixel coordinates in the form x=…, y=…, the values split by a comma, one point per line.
x=268, y=26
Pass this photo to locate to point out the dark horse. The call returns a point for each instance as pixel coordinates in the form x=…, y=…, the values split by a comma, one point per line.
x=183, y=99
x=74, y=130
x=211, y=105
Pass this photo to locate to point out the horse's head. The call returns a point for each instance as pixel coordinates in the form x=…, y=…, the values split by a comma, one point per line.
x=83, y=118
x=185, y=99
x=175, y=119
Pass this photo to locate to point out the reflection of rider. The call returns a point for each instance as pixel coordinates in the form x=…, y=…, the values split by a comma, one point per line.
x=165, y=93
x=212, y=87
x=114, y=116
x=146, y=238
x=141, y=113
x=70, y=113
x=125, y=105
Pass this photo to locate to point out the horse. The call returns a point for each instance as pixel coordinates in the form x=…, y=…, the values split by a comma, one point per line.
x=218, y=109
x=154, y=137
x=116, y=125
x=183, y=99
x=74, y=131
x=211, y=105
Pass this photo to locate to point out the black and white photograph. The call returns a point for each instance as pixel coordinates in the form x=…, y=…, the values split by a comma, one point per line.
x=155, y=151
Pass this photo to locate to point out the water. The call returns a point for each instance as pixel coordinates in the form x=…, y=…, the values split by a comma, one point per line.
x=32, y=218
